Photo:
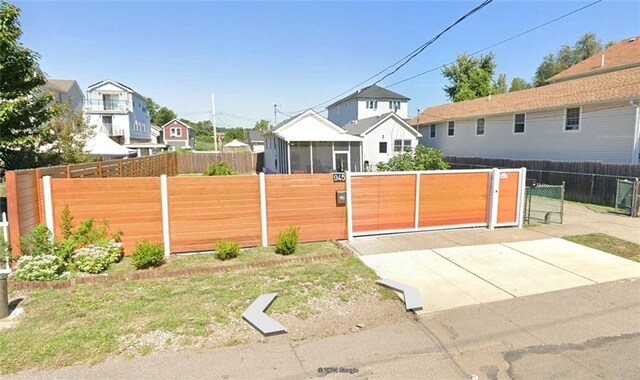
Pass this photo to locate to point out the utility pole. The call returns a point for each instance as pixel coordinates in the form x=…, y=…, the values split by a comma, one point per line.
x=213, y=121
x=275, y=116
x=418, y=121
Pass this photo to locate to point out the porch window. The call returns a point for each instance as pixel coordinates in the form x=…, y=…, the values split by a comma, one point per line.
x=322, y=160
x=300, y=157
x=355, y=157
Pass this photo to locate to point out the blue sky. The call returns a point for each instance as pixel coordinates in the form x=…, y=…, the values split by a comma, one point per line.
x=295, y=54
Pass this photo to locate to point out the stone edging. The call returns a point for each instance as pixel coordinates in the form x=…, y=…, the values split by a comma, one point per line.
x=145, y=274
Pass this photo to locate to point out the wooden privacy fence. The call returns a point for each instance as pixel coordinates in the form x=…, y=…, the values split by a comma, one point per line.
x=587, y=182
x=420, y=201
x=192, y=213
x=241, y=162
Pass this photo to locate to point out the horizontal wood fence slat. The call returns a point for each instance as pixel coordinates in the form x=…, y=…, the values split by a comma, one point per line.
x=241, y=162
x=587, y=182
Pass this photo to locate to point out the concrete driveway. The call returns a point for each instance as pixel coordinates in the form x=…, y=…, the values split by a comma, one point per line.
x=460, y=276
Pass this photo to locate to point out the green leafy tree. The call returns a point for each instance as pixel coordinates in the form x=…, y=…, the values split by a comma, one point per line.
x=152, y=108
x=422, y=158
x=500, y=87
x=202, y=128
x=470, y=77
x=262, y=125
x=65, y=137
x=234, y=133
x=586, y=46
x=163, y=116
x=22, y=115
x=518, y=84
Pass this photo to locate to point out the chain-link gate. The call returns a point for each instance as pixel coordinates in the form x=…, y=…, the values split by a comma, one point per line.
x=544, y=203
x=627, y=197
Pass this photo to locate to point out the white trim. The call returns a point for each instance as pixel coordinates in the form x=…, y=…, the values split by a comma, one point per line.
x=176, y=121
x=164, y=196
x=494, y=198
x=484, y=126
x=564, y=120
x=636, y=136
x=398, y=119
x=417, y=202
x=349, y=206
x=513, y=126
x=507, y=224
x=521, y=194
x=288, y=145
x=422, y=229
x=48, y=204
x=263, y=211
x=435, y=172
x=5, y=234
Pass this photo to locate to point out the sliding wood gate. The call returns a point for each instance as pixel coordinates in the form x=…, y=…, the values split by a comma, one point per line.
x=387, y=202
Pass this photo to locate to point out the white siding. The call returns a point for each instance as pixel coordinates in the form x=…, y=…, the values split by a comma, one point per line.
x=387, y=132
x=356, y=109
x=383, y=107
x=343, y=113
x=606, y=134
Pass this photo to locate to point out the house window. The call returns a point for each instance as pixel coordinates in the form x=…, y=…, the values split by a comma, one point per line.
x=397, y=145
x=382, y=147
x=572, y=121
x=406, y=145
x=175, y=132
x=452, y=128
x=480, y=126
x=372, y=104
x=432, y=131
x=518, y=123
x=394, y=105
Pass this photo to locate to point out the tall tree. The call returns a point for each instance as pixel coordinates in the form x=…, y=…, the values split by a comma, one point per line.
x=65, y=137
x=163, y=116
x=500, y=87
x=202, y=128
x=586, y=46
x=234, y=133
x=22, y=114
x=470, y=77
x=152, y=108
x=262, y=125
x=518, y=84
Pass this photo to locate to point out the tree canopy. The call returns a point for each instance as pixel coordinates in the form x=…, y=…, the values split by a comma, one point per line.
x=262, y=125
x=22, y=114
x=586, y=46
x=159, y=115
x=518, y=84
x=470, y=77
x=234, y=133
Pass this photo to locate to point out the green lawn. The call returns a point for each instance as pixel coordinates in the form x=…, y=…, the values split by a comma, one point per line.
x=250, y=255
x=609, y=244
x=89, y=322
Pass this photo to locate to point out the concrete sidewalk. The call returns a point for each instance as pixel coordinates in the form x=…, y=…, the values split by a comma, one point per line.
x=579, y=220
x=587, y=332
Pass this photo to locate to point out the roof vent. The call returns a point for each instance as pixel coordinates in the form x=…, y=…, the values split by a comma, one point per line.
x=633, y=39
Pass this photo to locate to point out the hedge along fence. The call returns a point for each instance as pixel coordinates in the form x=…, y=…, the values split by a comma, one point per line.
x=191, y=214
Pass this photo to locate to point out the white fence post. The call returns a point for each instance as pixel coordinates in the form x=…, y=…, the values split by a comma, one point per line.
x=48, y=204
x=349, y=207
x=5, y=235
x=522, y=185
x=164, y=195
x=263, y=210
x=493, y=198
x=417, y=203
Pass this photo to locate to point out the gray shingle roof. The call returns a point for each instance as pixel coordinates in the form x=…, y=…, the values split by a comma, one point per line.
x=255, y=135
x=358, y=127
x=371, y=92
x=59, y=85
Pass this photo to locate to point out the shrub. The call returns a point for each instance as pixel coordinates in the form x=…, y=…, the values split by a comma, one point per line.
x=5, y=253
x=422, y=158
x=66, y=223
x=96, y=258
x=38, y=242
x=64, y=249
x=218, y=168
x=39, y=268
x=287, y=241
x=226, y=250
x=147, y=254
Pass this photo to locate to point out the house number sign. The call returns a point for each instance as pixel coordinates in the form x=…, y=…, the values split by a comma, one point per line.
x=339, y=177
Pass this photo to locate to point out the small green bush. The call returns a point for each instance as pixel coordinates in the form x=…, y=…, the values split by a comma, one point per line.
x=39, y=268
x=96, y=258
x=226, y=250
x=38, y=242
x=147, y=254
x=218, y=168
x=287, y=241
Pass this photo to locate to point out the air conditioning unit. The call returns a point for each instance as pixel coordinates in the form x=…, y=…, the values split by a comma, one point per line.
x=122, y=107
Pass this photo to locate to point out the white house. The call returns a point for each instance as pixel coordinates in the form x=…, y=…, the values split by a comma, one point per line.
x=255, y=139
x=63, y=91
x=368, y=102
x=384, y=136
x=309, y=143
x=589, y=112
x=118, y=111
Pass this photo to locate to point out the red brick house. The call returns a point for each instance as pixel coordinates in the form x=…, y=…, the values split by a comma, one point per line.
x=177, y=134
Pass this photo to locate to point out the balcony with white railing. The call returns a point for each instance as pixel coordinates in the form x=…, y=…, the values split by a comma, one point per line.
x=106, y=105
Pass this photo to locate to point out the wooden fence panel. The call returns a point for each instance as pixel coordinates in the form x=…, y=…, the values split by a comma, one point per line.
x=131, y=205
x=453, y=199
x=203, y=210
x=385, y=202
x=24, y=200
x=508, y=197
x=197, y=162
x=307, y=201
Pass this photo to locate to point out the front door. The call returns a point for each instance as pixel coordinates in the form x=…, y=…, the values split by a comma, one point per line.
x=341, y=161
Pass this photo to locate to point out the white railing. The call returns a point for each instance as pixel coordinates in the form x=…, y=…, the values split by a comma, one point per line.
x=4, y=224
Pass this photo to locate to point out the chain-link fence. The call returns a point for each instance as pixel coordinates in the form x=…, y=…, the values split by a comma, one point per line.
x=544, y=203
x=627, y=197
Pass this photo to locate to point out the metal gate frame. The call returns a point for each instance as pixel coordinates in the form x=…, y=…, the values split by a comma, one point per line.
x=492, y=200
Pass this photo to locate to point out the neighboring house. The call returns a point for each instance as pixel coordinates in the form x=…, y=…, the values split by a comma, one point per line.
x=65, y=90
x=589, y=112
x=156, y=134
x=118, y=111
x=255, y=139
x=178, y=134
x=367, y=102
x=384, y=136
x=309, y=143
